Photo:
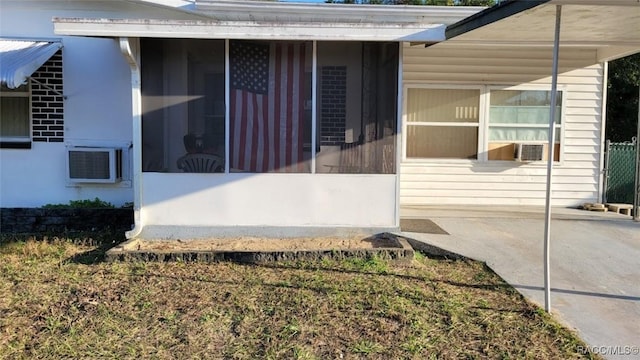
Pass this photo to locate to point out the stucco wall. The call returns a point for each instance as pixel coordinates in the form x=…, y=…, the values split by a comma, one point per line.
x=97, y=108
x=250, y=201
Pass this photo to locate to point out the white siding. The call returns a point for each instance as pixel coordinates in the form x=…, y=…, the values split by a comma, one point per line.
x=576, y=177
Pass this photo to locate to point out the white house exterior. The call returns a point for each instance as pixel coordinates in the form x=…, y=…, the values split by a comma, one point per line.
x=503, y=180
x=158, y=82
x=96, y=110
x=511, y=47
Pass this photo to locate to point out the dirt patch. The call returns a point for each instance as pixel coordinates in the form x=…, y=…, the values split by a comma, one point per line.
x=269, y=244
x=260, y=250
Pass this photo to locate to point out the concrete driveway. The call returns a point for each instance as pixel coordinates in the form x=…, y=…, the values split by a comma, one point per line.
x=595, y=263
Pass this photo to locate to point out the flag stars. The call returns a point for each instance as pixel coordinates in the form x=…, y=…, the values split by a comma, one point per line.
x=249, y=66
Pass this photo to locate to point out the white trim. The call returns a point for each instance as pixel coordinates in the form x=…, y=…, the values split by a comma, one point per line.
x=238, y=30
x=483, y=131
x=442, y=86
x=314, y=99
x=444, y=123
x=273, y=11
x=99, y=143
x=130, y=50
x=512, y=125
x=540, y=43
x=15, y=139
x=227, y=111
x=398, y=141
x=603, y=126
x=22, y=94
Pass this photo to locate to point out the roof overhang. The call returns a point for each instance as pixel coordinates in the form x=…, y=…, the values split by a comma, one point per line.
x=284, y=21
x=247, y=30
x=610, y=27
x=20, y=58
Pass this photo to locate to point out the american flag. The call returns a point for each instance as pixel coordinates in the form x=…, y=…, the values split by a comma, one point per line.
x=267, y=106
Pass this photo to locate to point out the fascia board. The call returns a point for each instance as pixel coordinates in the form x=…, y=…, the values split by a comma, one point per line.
x=331, y=13
x=247, y=30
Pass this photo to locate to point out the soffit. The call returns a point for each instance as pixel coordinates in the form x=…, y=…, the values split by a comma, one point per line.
x=611, y=28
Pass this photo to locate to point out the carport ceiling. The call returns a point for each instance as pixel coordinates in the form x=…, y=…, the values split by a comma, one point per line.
x=612, y=27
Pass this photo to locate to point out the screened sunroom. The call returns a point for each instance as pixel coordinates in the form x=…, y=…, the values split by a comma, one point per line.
x=262, y=113
x=267, y=118
x=281, y=135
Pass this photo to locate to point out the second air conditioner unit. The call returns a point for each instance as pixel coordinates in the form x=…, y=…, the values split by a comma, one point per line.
x=529, y=152
x=94, y=165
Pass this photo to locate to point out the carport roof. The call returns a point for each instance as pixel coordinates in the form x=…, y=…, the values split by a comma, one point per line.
x=611, y=27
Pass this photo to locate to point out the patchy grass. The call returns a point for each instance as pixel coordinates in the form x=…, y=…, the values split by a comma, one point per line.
x=58, y=302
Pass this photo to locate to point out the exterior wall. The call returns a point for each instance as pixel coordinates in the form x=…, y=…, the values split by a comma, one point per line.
x=576, y=179
x=247, y=204
x=97, y=109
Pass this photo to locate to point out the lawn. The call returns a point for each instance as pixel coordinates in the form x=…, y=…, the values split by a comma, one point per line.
x=59, y=300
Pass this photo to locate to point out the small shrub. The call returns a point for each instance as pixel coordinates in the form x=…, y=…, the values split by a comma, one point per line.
x=95, y=203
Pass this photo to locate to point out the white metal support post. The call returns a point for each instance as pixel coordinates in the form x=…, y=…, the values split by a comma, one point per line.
x=130, y=49
x=550, y=156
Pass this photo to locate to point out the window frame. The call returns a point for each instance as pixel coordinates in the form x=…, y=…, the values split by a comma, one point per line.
x=406, y=123
x=559, y=127
x=483, y=122
x=18, y=142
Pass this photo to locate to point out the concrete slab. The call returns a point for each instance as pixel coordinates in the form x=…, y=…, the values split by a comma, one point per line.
x=595, y=263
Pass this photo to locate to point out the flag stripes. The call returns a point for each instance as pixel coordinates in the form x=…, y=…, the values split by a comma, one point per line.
x=267, y=106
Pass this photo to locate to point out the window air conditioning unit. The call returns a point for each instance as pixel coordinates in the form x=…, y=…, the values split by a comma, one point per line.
x=94, y=165
x=529, y=152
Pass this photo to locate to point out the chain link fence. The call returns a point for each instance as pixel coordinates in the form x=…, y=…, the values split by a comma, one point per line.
x=620, y=172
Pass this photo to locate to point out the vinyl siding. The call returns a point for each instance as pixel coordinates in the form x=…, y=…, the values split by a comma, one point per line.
x=576, y=178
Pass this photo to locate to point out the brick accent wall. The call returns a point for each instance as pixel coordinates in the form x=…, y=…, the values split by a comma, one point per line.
x=333, y=97
x=47, y=103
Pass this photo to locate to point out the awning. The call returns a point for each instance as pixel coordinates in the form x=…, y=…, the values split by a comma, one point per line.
x=610, y=27
x=20, y=58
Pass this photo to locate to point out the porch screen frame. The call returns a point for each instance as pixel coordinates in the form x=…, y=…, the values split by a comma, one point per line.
x=313, y=73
